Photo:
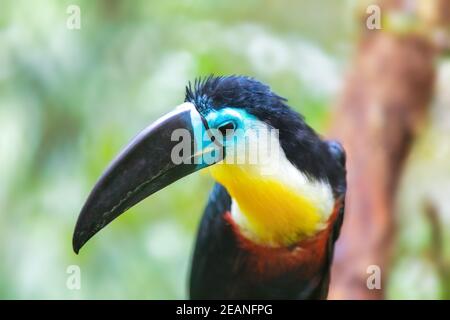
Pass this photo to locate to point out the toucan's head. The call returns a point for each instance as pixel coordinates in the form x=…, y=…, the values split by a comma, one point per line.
x=222, y=119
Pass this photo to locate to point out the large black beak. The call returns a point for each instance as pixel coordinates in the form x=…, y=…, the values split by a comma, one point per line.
x=145, y=166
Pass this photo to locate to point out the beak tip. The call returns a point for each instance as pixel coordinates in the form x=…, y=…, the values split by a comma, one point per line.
x=77, y=242
x=75, y=245
x=76, y=249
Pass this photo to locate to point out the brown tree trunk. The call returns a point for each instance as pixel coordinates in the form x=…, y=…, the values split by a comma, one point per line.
x=384, y=102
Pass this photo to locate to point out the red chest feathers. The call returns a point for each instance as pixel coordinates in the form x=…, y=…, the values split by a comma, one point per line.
x=306, y=258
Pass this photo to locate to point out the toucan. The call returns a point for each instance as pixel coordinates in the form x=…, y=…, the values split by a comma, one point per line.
x=273, y=216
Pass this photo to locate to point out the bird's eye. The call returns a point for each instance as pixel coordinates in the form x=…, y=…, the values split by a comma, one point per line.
x=227, y=129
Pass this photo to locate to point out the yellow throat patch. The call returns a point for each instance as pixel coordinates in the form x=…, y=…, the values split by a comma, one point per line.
x=270, y=211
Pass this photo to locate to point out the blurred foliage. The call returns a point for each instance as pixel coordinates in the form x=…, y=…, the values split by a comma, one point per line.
x=421, y=264
x=70, y=99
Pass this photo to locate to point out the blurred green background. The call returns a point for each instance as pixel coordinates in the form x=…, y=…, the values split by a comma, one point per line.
x=70, y=99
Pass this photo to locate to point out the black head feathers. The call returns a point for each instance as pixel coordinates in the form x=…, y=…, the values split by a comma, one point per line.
x=302, y=146
x=236, y=92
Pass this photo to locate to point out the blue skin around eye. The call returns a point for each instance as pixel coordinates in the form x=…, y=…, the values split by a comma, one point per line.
x=216, y=118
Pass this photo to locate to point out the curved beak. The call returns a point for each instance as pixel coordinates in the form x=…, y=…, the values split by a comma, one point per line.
x=164, y=152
